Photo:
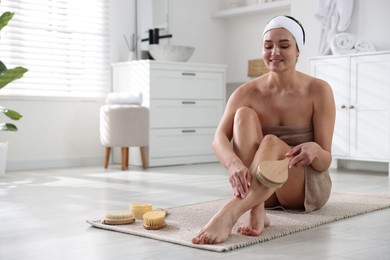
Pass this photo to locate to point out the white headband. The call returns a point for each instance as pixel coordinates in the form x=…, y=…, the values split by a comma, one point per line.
x=290, y=25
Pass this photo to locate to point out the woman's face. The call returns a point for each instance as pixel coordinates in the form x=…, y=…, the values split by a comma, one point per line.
x=280, y=50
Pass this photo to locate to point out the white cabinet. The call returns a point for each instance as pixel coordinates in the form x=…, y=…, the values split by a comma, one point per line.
x=361, y=86
x=186, y=102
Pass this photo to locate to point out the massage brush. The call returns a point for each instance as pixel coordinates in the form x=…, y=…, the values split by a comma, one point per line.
x=273, y=174
x=139, y=209
x=119, y=217
x=154, y=220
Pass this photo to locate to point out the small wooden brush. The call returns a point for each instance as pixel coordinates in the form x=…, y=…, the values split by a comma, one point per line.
x=154, y=219
x=118, y=217
x=273, y=174
x=139, y=209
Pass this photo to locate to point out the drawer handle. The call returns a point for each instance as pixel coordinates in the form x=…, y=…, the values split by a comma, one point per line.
x=188, y=102
x=188, y=131
x=188, y=74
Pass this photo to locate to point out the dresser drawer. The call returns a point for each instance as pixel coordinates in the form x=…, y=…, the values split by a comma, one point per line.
x=186, y=84
x=185, y=113
x=165, y=143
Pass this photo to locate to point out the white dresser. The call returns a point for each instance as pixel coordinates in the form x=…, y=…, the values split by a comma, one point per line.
x=361, y=86
x=186, y=102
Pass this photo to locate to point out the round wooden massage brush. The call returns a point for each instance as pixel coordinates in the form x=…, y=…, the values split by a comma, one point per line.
x=273, y=174
x=118, y=217
x=154, y=219
x=139, y=209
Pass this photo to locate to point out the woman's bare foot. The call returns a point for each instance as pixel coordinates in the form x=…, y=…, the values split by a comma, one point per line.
x=220, y=226
x=255, y=223
x=218, y=229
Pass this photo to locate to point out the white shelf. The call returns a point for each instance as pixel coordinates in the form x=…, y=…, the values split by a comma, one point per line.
x=259, y=8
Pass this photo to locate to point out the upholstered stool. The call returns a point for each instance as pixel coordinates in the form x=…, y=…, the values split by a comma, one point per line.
x=124, y=126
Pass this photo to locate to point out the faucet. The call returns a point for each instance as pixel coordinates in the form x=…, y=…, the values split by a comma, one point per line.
x=154, y=36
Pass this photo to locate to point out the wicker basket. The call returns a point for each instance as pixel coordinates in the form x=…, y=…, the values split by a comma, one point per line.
x=256, y=68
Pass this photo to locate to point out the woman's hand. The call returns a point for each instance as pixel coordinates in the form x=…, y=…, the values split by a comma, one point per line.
x=303, y=154
x=239, y=178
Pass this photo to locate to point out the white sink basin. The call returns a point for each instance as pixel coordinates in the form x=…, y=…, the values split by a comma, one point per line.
x=170, y=52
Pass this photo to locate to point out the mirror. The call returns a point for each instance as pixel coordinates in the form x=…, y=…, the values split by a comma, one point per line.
x=151, y=14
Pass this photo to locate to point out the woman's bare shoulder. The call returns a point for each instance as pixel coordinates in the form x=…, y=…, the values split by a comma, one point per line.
x=316, y=85
x=245, y=89
x=243, y=95
x=319, y=90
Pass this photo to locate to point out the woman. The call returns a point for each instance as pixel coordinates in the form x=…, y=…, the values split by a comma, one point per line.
x=283, y=113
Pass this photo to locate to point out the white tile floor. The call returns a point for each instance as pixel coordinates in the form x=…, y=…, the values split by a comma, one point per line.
x=43, y=213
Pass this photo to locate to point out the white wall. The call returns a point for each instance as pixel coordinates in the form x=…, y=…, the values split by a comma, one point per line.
x=191, y=24
x=304, y=11
x=371, y=21
x=62, y=133
x=53, y=133
x=123, y=21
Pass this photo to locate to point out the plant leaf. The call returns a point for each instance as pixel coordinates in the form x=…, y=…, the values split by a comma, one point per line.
x=7, y=127
x=2, y=67
x=10, y=75
x=4, y=19
x=12, y=114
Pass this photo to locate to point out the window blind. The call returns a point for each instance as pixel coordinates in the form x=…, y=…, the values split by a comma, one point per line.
x=63, y=43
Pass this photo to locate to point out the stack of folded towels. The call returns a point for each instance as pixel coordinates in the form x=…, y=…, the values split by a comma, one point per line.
x=344, y=43
x=124, y=98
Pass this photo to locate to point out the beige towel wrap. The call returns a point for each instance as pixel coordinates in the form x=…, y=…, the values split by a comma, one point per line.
x=318, y=185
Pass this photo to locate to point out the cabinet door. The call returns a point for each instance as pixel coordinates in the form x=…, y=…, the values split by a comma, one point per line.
x=370, y=114
x=335, y=71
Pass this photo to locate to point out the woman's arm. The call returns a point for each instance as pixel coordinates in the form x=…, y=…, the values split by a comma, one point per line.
x=318, y=153
x=239, y=175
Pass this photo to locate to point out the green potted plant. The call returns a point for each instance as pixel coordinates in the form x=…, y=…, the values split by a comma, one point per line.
x=7, y=76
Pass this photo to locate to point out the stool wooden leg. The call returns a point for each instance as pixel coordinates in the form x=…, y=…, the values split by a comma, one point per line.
x=143, y=157
x=125, y=157
x=107, y=157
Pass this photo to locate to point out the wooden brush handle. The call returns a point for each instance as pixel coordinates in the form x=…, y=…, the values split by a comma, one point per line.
x=118, y=221
x=154, y=227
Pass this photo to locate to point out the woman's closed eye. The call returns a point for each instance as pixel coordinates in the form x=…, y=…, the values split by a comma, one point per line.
x=281, y=46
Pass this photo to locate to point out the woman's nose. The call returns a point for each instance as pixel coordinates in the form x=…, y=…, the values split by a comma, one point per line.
x=275, y=50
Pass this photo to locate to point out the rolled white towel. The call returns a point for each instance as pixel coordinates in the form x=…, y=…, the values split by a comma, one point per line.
x=124, y=98
x=342, y=43
x=364, y=46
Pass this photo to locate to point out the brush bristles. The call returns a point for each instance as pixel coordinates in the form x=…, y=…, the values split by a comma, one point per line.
x=119, y=214
x=154, y=219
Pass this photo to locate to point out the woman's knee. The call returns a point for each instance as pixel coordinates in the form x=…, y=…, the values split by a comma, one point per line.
x=245, y=115
x=270, y=141
x=273, y=146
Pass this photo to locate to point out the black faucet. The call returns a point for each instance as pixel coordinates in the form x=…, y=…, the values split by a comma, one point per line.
x=154, y=36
